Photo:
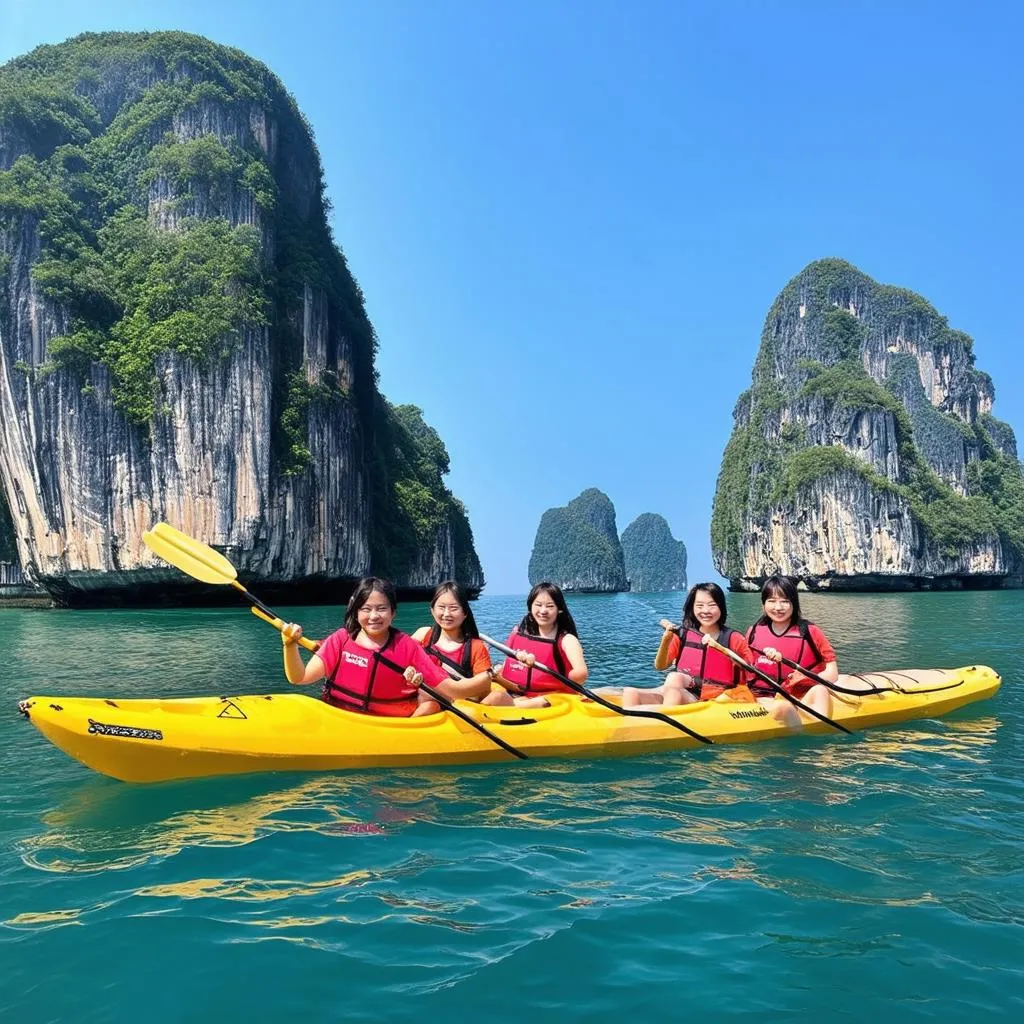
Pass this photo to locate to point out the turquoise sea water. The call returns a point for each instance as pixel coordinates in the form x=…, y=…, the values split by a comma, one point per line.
x=879, y=877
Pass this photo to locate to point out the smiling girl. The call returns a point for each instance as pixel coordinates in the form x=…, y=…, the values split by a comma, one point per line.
x=454, y=642
x=783, y=633
x=546, y=635
x=369, y=667
x=698, y=672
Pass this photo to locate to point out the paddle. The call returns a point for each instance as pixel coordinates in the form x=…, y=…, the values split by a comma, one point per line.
x=596, y=697
x=201, y=562
x=775, y=686
x=279, y=624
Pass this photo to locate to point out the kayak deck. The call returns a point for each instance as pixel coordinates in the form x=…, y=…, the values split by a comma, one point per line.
x=139, y=740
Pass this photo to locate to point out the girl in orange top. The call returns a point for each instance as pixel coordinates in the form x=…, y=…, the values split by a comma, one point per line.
x=699, y=671
x=454, y=643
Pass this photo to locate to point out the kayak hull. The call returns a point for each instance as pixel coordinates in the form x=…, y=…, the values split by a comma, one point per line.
x=159, y=740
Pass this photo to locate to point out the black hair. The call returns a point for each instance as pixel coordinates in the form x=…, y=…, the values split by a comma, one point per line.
x=364, y=588
x=716, y=594
x=566, y=623
x=469, y=628
x=784, y=587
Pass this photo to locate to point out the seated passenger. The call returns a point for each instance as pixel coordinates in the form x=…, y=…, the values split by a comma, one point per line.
x=546, y=636
x=454, y=643
x=698, y=672
x=782, y=633
x=370, y=667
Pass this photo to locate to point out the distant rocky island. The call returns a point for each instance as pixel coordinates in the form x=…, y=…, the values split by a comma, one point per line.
x=578, y=547
x=654, y=559
x=865, y=455
x=182, y=339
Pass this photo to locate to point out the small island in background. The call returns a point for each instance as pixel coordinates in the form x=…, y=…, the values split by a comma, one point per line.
x=578, y=547
x=655, y=560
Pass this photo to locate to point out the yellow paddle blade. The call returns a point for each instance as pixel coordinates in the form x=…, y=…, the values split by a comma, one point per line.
x=186, y=553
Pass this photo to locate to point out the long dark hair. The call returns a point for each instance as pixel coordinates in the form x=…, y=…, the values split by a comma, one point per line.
x=469, y=630
x=566, y=623
x=714, y=591
x=780, y=586
x=364, y=588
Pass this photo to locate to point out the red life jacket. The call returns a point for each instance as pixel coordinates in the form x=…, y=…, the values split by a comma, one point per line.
x=460, y=659
x=704, y=663
x=796, y=644
x=372, y=683
x=547, y=652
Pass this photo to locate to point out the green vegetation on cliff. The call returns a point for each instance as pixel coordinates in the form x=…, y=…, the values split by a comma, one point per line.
x=754, y=473
x=654, y=559
x=155, y=168
x=410, y=462
x=767, y=462
x=8, y=548
x=133, y=291
x=577, y=546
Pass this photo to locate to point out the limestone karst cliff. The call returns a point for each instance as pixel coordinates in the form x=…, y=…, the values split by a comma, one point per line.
x=865, y=454
x=181, y=339
x=577, y=546
x=654, y=559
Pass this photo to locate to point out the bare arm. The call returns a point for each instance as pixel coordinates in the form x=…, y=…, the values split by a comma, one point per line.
x=295, y=672
x=578, y=670
x=460, y=688
x=661, y=659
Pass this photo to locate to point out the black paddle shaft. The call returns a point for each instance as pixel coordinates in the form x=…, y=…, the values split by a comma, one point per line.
x=794, y=700
x=449, y=706
x=805, y=671
x=597, y=698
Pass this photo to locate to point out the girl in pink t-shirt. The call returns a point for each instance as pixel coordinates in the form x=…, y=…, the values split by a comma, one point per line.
x=369, y=667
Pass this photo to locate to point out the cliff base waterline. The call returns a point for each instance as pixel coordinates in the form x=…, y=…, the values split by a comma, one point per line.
x=879, y=583
x=193, y=595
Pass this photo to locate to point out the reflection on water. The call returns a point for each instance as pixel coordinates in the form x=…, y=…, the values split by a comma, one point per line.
x=248, y=889
x=102, y=824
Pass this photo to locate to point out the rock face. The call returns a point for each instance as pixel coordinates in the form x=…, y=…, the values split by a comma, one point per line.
x=654, y=559
x=181, y=339
x=864, y=455
x=577, y=546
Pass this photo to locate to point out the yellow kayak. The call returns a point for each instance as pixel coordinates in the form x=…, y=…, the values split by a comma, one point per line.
x=157, y=740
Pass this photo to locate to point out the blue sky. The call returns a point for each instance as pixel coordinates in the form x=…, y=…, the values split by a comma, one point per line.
x=570, y=218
